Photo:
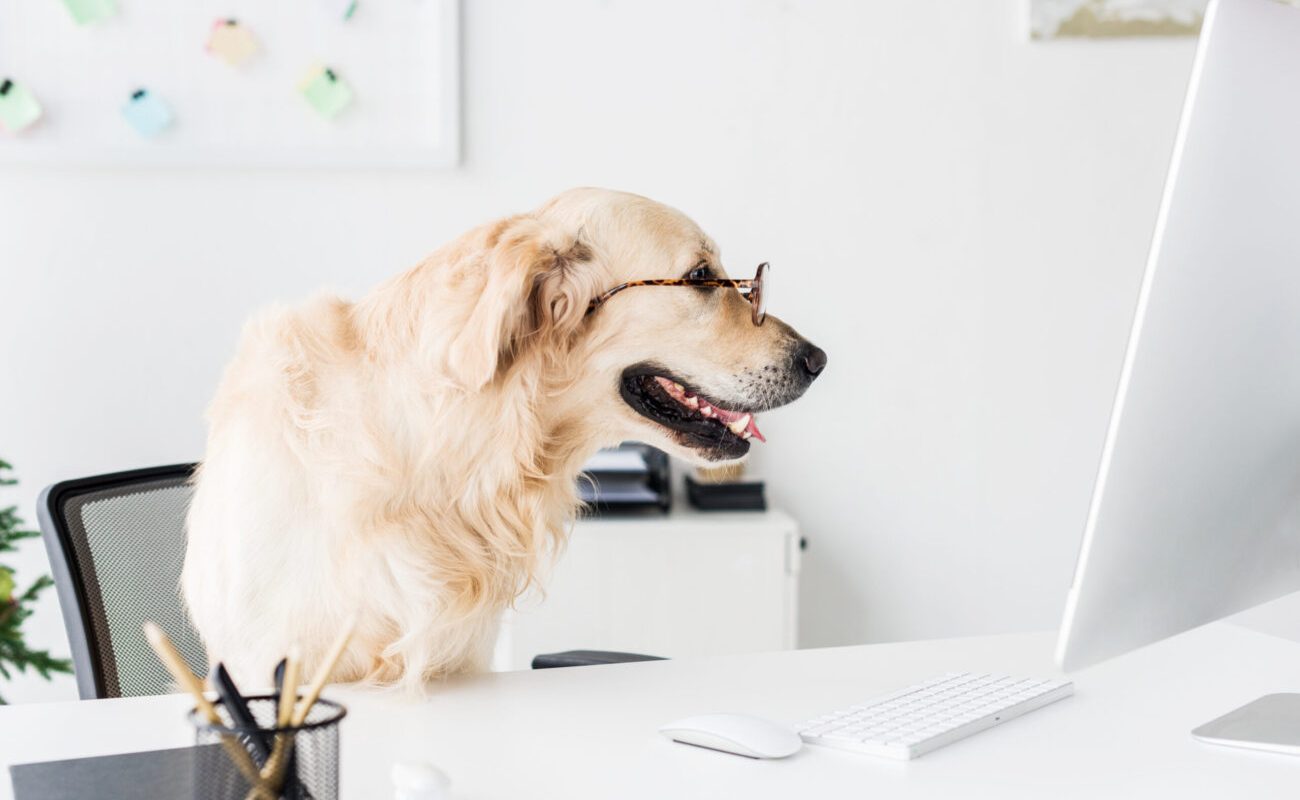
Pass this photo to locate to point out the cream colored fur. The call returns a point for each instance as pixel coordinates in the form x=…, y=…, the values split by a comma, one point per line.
x=411, y=456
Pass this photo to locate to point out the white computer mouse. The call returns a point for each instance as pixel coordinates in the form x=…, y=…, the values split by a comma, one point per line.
x=742, y=734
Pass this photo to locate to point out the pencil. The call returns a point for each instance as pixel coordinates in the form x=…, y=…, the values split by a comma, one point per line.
x=180, y=671
x=175, y=664
x=289, y=687
x=281, y=755
x=323, y=671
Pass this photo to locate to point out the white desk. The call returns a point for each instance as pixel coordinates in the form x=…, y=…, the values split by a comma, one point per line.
x=590, y=732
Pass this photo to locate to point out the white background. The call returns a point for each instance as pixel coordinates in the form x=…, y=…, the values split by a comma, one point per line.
x=959, y=217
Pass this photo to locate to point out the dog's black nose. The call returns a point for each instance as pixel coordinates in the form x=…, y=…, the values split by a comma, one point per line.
x=813, y=359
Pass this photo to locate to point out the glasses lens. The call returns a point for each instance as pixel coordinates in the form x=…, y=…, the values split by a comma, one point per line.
x=758, y=297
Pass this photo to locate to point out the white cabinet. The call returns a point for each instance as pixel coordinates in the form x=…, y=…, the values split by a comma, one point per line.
x=686, y=584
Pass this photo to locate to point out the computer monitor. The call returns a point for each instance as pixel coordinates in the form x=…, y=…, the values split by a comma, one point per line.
x=1196, y=510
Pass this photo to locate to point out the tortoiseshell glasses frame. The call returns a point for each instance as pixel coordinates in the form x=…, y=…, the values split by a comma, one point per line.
x=752, y=288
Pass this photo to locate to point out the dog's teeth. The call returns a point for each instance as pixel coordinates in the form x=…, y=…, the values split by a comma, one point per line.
x=747, y=435
x=692, y=402
x=738, y=426
x=678, y=387
x=706, y=410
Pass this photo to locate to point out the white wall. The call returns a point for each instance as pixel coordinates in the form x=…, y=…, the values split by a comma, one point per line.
x=959, y=217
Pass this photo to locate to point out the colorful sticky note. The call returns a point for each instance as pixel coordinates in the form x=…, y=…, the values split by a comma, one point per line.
x=88, y=11
x=343, y=9
x=231, y=42
x=18, y=108
x=325, y=91
x=147, y=113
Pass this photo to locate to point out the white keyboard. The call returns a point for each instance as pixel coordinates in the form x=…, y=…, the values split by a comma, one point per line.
x=912, y=722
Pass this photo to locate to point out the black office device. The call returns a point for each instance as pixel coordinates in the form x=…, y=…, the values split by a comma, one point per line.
x=632, y=478
x=728, y=496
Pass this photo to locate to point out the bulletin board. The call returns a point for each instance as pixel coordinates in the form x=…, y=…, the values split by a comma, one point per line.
x=398, y=59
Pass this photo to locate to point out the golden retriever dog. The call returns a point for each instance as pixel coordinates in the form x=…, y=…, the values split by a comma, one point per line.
x=411, y=457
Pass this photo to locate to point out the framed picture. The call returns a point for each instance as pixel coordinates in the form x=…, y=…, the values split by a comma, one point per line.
x=1055, y=19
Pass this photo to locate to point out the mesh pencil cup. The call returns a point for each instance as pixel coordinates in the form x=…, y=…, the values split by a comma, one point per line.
x=294, y=763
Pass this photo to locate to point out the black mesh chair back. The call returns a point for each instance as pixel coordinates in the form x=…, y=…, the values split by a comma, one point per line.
x=116, y=545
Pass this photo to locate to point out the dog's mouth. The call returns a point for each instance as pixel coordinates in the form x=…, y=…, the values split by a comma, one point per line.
x=698, y=421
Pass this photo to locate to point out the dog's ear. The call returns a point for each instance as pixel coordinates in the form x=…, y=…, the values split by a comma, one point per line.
x=536, y=285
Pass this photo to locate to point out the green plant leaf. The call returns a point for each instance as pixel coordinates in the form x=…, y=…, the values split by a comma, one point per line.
x=15, y=655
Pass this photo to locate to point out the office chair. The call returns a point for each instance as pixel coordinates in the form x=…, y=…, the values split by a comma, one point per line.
x=116, y=545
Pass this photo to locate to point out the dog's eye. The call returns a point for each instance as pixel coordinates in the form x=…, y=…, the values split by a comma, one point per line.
x=699, y=273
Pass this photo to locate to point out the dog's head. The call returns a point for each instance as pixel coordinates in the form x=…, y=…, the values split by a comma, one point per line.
x=683, y=368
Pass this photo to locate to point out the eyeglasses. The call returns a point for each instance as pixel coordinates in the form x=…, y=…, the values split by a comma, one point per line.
x=751, y=288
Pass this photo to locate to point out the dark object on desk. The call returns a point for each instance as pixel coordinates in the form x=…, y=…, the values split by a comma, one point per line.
x=629, y=479
x=587, y=658
x=116, y=543
x=153, y=775
x=234, y=703
x=737, y=496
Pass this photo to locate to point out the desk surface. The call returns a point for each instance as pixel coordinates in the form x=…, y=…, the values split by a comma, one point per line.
x=590, y=732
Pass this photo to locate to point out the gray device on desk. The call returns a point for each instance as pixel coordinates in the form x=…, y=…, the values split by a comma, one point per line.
x=1196, y=510
x=153, y=775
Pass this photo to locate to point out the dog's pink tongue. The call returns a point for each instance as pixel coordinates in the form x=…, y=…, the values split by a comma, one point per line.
x=728, y=417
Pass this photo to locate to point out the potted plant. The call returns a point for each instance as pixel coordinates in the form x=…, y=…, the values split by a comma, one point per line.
x=15, y=606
